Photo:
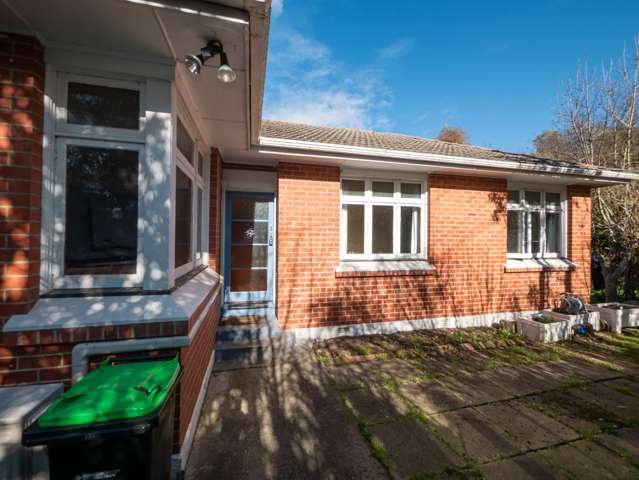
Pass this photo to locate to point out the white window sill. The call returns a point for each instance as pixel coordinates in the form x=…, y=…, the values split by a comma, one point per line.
x=538, y=264
x=384, y=267
x=75, y=312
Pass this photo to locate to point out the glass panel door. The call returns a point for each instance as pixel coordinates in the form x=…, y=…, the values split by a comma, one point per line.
x=249, y=247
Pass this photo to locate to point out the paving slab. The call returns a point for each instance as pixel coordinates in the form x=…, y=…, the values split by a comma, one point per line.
x=592, y=371
x=358, y=375
x=472, y=436
x=623, y=405
x=624, y=441
x=584, y=417
x=531, y=466
x=412, y=449
x=587, y=460
x=517, y=381
x=624, y=385
x=280, y=422
x=531, y=429
x=438, y=366
x=376, y=404
x=475, y=388
x=431, y=397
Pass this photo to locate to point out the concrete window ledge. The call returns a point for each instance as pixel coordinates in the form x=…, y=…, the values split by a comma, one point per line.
x=514, y=265
x=80, y=319
x=384, y=268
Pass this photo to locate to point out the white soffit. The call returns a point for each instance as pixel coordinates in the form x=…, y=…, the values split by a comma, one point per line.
x=154, y=32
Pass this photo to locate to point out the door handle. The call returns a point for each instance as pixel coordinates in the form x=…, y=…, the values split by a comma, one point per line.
x=270, y=236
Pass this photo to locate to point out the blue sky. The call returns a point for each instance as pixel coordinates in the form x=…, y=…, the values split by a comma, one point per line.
x=494, y=68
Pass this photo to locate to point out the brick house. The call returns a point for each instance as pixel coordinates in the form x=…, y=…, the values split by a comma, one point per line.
x=144, y=208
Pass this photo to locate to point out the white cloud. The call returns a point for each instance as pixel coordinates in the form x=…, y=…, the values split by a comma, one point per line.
x=277, y=7
x=307, y=84
x=396, y=49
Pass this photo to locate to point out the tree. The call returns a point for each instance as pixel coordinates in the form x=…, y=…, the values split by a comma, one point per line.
x=452, y=135
x=599, y=125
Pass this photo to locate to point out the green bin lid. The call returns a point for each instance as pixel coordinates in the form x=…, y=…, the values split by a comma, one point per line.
x=113, y=392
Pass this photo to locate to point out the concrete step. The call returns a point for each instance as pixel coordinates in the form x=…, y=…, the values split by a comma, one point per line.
x=236, y=358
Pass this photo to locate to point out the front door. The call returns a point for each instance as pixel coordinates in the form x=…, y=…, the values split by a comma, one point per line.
x=248, y=265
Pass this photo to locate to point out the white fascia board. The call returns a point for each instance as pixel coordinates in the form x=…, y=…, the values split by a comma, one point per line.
x=193, y=7
x=504, y=165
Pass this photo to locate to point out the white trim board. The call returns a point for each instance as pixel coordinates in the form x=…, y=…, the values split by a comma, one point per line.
x=296, y=335
x=289, y=147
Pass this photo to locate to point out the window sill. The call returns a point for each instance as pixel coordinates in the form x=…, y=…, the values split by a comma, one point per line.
x=514, y=265
x=384, y=268
x=50, y=318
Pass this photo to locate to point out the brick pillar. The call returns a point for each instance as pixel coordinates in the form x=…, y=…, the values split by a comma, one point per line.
x=580, y=238
x=21, y=118
x=215, y=205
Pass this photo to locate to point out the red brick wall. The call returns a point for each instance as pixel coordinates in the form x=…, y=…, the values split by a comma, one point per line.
x=467, y=245
x=214, y=210
x=21, y=119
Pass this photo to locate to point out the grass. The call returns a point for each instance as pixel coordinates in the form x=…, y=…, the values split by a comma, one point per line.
x=545, y=320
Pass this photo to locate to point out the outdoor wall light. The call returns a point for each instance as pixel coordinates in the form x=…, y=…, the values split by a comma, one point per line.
x=194, y=63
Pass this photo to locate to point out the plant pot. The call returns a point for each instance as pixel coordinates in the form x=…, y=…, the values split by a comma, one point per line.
x=591, y=317
x=544, y=332
x=618, y=318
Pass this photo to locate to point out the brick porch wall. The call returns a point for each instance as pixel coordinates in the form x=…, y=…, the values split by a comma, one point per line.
x=21, y=120
x=467, y=245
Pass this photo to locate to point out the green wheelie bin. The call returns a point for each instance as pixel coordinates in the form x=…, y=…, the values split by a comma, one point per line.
x=115, y=423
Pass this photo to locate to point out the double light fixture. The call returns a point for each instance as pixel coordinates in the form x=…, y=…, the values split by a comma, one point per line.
x=194, y=63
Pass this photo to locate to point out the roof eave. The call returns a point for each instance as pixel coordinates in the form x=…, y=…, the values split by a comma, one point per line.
x=608, y=176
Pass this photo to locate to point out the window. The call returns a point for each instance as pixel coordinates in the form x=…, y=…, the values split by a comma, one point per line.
x=534, y=224
x=99, y=146
x=190, y=202
x=382, y=219
x=101, y=210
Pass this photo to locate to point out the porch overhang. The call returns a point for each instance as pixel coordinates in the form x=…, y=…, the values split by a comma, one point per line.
x=154, y=36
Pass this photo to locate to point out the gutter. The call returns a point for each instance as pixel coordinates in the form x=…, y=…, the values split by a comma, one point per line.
x=440, y=160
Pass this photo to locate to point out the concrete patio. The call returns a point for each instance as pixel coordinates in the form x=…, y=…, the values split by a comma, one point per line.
x=475, y=403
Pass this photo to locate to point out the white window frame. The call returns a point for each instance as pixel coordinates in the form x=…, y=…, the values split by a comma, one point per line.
x=198, y=180
x=59, y=220
x=526, y=239
x=396, y=201
x=62, y=127
x=63, y=135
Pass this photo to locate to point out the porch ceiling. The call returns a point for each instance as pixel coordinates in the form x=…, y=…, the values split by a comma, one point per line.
x=162, y=32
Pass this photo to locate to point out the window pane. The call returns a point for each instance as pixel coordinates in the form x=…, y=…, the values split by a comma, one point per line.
x=249, y=208
x=103, y=106
x=185, y=143
x=183, y=188
x=411, y=190
x=249, y=256
x=354, y=228
x=410, y=230
x=200, y=206
x=249, y=233
x=553, y=200
x=353, y=187
x=535, y=225
x=513, y=198
x=515, y=231
x=383, y=189
x=249, y=280
x=552, y=232
x=382, y=229
x=101, y=211
x=533, y=199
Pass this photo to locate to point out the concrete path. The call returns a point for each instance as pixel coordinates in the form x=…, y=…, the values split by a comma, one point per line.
x=280, y=421
x=553, y=416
